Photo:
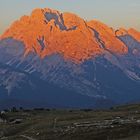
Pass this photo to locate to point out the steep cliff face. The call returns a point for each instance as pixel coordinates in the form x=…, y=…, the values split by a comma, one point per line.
x=131, y=38
x=48, y=31
x=134, y=34
x=107, y=38
x=131, y=32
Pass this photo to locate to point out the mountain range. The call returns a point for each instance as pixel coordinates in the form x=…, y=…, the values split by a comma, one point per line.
x=54, y=59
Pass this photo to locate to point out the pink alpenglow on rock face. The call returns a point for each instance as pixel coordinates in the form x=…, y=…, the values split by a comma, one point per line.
x=134, y=34
x=107, y=37
x=48, y=31
x=121, y=32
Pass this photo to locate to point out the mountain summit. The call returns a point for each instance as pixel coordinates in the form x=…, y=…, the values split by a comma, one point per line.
x=60, y=60
x=48, y=31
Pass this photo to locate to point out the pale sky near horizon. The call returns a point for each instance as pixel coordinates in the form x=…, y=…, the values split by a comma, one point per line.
x=115, y=13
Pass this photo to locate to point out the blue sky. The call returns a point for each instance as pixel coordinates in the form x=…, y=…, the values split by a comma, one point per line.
x=115, y=13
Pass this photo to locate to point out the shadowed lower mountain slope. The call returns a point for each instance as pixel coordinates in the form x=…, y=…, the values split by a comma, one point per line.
x=59, y=60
